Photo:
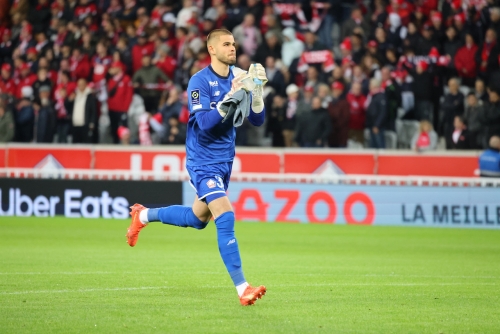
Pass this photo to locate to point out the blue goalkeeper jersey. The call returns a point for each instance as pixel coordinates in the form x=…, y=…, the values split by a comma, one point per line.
x=216, y=144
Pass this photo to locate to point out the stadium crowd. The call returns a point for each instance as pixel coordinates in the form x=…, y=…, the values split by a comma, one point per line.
x=398, y=73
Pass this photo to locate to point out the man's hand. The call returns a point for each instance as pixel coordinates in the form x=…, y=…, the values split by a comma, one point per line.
x=258, y=72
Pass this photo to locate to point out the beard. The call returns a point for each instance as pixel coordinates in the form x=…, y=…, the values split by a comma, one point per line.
x=226, y=60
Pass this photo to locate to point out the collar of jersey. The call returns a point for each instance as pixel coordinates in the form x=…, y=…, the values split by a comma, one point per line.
x=220, y=76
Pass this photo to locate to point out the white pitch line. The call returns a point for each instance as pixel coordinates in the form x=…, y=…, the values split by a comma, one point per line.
x=224, y=286
x=84, y=290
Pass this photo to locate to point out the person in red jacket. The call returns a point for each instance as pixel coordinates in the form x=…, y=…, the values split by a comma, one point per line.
x=26, y=79
x=465, y=61
x=79, y=65
x=120, y=93
x=358, y=113
x=143, y=47
x=164, y=62
x=7, y=84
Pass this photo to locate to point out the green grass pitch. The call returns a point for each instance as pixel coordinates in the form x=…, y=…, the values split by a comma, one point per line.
x=79, y=276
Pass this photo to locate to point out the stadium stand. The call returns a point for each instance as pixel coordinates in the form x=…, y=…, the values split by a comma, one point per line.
x=105, y=71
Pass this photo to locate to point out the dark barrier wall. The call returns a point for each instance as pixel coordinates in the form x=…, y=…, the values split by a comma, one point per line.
x=83, y=198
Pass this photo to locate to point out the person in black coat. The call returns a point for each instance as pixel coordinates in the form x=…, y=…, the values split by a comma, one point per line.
x=422, y=90
x=83, y=114
x=460, y=138
x=274, y=118
x=489, y=117
x=376, y=114
x=46, y=116
x=452, y=105
x=271, y=47
x=275, y=77
x=487, y=55
x=313, y=127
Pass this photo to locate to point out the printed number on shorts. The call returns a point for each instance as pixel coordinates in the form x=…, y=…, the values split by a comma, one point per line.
x=220, y=183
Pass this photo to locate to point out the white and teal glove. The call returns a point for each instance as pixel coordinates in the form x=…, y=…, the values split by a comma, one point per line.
x=258, y=74
x=242, y=80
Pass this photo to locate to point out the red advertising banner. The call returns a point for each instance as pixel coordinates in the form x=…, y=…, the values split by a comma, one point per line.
x=3, y=153
x=247, y=160
x=338, y=163
x=173, y=160
x=427, y=165
x=49, y=158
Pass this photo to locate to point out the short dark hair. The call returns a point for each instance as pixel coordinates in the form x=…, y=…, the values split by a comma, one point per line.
x=216, y=33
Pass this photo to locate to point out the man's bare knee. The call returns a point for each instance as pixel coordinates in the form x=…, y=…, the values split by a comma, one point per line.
x=201, y=210
x=220, y=206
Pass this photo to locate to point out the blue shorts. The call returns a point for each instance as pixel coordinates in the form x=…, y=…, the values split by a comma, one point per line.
x=210, y=181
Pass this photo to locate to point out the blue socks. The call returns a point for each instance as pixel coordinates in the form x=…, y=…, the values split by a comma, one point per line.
x=177, y=215
x=228, y=247
x=183, y=216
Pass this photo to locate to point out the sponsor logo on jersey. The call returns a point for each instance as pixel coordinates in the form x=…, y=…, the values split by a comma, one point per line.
x=195, y=96
x=211, y=184
x=213, y=83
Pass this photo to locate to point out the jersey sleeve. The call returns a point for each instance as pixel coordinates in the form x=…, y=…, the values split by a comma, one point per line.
x=198, y=95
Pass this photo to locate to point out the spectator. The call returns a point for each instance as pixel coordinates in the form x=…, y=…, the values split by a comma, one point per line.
x=172, y=106
x=79, y=65
x=355, y=21
x=495, y=19
x=120, y=92
x=42, y=80
x=460, y=137
x=6, y=125
x=26, y=79
x=487, y=55
x=358, y=51
x=471, y=116
x=292, y=48
x=489, y=161
x=45, y=116
x=270, y=47
x=465, y=61
x=146, y=80
x=397, y=32
x=7, y=84
x=175, y=132
x=311, y=43
x=451, y=106
x=63, y=109
x=164, y=61
x=376, y=114
x=357, y=110
x=83, y=113
x=426, y=139
x=490, y=117
x=427, y=41
x=275, y=115
x=275, y=77
x=339, y=112
x=142, y=48
x=422, y=91
x=25, y=116
x=393, y=96
x=480, y=90
x=313, y=127
x=234, y=11
x=247, y=36
x=287, y=122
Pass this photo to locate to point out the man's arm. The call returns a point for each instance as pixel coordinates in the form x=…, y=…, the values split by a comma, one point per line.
x=199, y=105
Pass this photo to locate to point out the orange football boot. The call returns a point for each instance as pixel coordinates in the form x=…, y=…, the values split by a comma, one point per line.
x=251, y=294
x=136, y=226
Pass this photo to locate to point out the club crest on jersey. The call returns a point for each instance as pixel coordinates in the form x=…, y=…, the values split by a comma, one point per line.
x=211, y=184
x=195, y=96
x=213, y=83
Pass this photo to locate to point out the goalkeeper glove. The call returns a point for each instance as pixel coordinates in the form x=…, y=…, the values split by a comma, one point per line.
x=242, y=80
x=258, y=74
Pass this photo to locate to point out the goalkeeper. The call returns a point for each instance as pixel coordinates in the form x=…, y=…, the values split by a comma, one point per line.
x=210, y=150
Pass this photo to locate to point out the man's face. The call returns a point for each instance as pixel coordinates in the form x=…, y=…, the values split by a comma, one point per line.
x=316, y=102
x=146, y=61
x=82, y=84
x=471, y=100
x=224, y=48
